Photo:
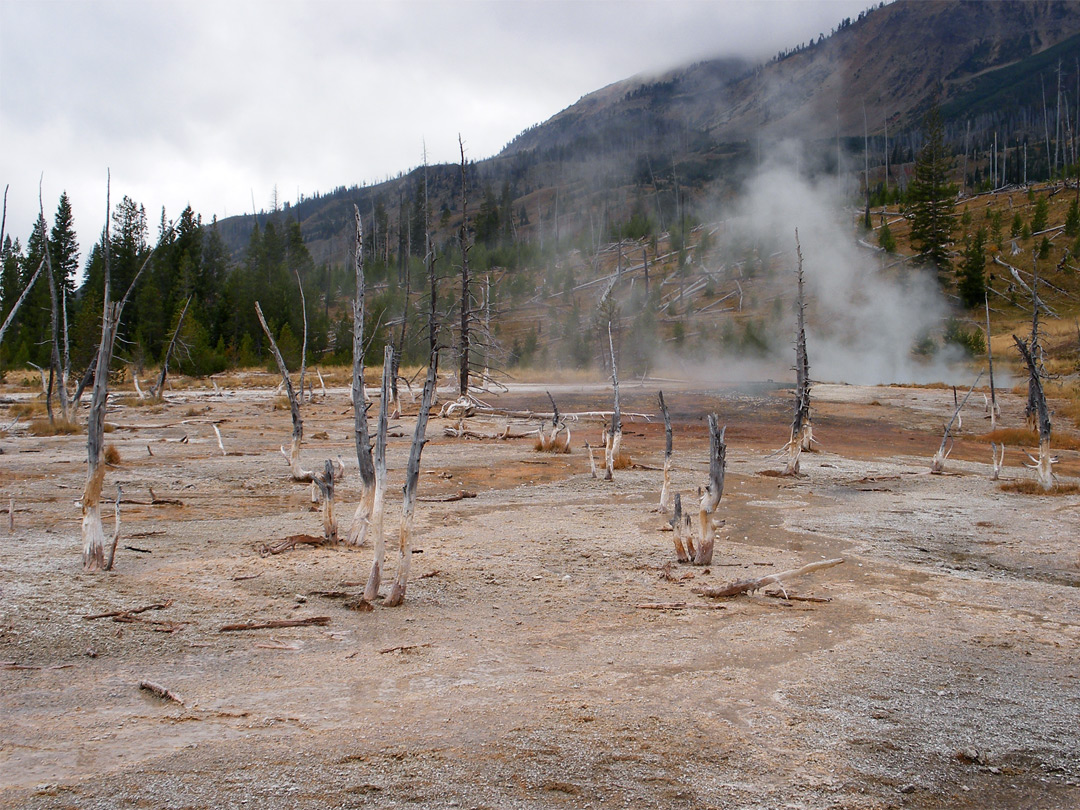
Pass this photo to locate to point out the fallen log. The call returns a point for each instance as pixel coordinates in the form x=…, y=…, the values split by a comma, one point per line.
x=459, y=496
x=161, y=692
x=273, y=625
x=750, y=585
x=292, y=541
x=131, y=612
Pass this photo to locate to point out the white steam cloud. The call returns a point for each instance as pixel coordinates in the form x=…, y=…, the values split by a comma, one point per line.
x=862, y=323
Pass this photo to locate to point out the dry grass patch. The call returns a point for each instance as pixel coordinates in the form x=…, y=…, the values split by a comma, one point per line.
x=58, y=427
x=112, y=455
x=26, y=410
x=544, y=444
x=1022, y=437
x=623, y=461
x=1029, y=486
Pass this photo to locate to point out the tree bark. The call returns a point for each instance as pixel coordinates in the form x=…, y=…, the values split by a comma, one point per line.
x=665, y=492
x=613, y=444
x=466, y=302
x=412, y=477
x=378, y=498
x=750, y=585
x=1044, y=467
x=159, y=386
x=710, y=499
x=293, y=456
x=357, y=534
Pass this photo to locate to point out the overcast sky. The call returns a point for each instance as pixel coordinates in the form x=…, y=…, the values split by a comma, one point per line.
x=213, y=103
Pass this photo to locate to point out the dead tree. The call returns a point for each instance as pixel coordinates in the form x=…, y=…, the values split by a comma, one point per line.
x=159, y=387
x=378, y=497
x=613, y=438
x=1044, y=467
x=994, y=411
x=412, y=478
x=92, y=532
x=55, y=367
x=293, y=456
x=710, y=499
x=357, y=534
x=802, y=433
x=399, y=347
x=1032, y=409
x=937, y=465
x=682, y=532
x=665, y=492
x=997, y=457
x=553, y=443
x=325, y=483
x=466, y=301
x=22, y=297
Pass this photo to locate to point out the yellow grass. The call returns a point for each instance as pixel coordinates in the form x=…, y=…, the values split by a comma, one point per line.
x=1022, y=437
x=1028, y=486
x=112, y=455
x=543, y=444
x=58, y=427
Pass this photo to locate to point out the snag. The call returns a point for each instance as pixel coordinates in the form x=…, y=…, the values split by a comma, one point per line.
x=357, y=534
x=937, y=465
x=1044, y=467
x=710, y=499
x=665, y=492
x=613, y=439
x=293, y=456
x=378, y=493
x=412, y=476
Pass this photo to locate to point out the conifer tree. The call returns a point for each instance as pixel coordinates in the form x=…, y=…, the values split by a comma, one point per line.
x=932, y=196
x=972, y=278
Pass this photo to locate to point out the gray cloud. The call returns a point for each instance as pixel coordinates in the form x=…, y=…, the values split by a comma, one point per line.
x=208, y=103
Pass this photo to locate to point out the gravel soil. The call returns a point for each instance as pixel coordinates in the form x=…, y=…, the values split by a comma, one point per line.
x=941, y=668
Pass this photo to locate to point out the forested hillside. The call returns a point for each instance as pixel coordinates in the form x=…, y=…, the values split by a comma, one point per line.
x=632, y=201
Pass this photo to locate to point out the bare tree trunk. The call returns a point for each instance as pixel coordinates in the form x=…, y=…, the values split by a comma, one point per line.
x=998, y=458
x=399, y=348
x=159, y=387
x=937, y=465
x=54, y=324
x=92, y=532
x=412, y=478
x=1044, y=467
x=466, y=302
x=1032, y=408
x=22, y=297
x=303, y=344
x=614, y=443
x=681, y=531
x=802, y=432
x=378, y=503
x=994, y=412
x=665, y=492
x=293, y=456
x=357, y=534
x=710, y=499
x=325, y=483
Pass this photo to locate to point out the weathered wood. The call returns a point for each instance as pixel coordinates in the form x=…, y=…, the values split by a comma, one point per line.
x=129, y=612
x=378, y=498
x=325, y=483
x=750, y=585
x=680, y=532
x=613, y=444
x=710, y=499
x=994, y=410
x=161, y=692
x=412, y=477
x=665, y=491
x=466, y=293
x=293, y=456
x=93, y=554
x=937, y=464
x=159, y=387
x=357, y=534
x=273, y=625
x=1044, y=466
x=292, y=541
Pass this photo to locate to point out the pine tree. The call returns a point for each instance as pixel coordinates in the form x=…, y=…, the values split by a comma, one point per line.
x=1072, y=219
x=932, y=196
x=1041, y=217
x=972, y=277
x=64, y=247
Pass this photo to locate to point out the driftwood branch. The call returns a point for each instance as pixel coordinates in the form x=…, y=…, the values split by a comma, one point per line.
x=273, y=625
x=751, y=585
